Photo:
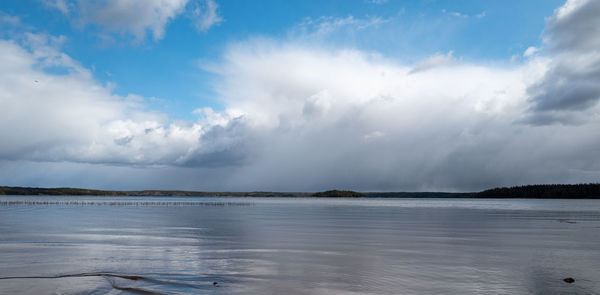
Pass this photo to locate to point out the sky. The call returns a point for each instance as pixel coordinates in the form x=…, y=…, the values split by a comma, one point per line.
x=368, y=95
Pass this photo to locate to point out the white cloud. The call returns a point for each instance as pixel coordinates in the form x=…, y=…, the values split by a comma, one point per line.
x=530, y=51
x=422, y=122
x=60, y=5
x=373, y=125
x=324, y=26
x=136, y=18
x=378, y=2
x=205, y=15
x=455, y=14
x=71, y=117
x=464, y=15
x=568, y=9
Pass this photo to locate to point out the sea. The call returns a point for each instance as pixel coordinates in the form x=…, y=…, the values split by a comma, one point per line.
x=228, y=245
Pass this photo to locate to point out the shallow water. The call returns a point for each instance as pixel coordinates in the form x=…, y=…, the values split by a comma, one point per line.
x=167, y=245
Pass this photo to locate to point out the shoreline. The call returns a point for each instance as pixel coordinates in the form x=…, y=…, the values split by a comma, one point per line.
x=577, y=191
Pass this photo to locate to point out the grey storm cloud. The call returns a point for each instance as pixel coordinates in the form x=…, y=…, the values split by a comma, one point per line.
x=572, y=83
x=574, y=26
x=222, y=146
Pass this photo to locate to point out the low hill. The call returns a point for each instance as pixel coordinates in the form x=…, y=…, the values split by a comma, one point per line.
x=338, y=194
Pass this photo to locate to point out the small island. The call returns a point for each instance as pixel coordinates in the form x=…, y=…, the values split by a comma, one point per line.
x=338, y=194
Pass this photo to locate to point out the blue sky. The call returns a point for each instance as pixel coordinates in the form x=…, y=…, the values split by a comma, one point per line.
x=370, y=95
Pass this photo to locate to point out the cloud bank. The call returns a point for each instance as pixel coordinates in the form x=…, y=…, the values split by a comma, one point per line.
x=300, y=117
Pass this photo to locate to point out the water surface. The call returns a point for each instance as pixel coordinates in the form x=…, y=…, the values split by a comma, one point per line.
x=169, y=245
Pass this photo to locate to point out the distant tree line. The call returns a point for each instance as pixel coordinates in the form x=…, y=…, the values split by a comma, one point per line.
x=545, y=191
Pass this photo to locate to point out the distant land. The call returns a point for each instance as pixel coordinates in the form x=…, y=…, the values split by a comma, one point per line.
x=67, y=191
x=545, y=191
x=541, y=191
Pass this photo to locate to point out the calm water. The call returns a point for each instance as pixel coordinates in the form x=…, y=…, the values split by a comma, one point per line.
x=99, y=245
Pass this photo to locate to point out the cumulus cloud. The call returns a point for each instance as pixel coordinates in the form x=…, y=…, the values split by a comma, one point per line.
x=136, y=18
x=71, y=117
x=570, y=85
x=351, y=119
x=359, y=121
x=131, y=17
